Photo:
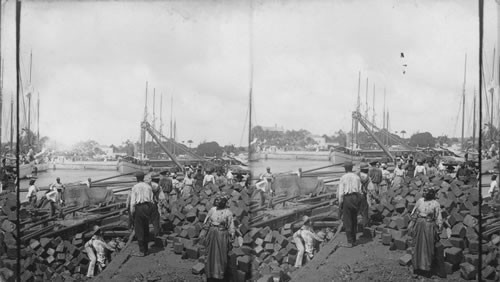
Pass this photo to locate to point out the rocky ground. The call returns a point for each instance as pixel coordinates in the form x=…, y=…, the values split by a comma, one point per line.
x=368, y=261
x=160, y=265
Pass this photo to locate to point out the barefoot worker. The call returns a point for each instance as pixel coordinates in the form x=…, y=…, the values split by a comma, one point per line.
x=350, y=199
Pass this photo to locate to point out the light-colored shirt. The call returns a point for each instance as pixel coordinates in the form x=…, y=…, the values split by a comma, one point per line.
x=32, y=191
x=222, y=217
x=229, y=175
x=428, y=209
x=420, y=169
x=141, y=193
x=99, y=246
x=308, y=236
x=399, y=172
x=208, y=179
x=349, y=183
x=493, y=186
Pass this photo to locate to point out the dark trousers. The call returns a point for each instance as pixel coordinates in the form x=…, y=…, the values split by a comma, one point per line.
x=350, y=208
x=143, y=213
x=363, y=208
x=155, y=218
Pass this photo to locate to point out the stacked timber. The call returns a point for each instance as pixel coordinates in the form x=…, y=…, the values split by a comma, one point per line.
x=47, y=251
x=458, y=244
x=185, y=220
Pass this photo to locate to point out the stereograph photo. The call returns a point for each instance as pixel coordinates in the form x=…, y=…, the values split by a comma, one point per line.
x=249, y=140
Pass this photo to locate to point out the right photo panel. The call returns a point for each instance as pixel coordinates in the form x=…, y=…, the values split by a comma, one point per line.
x=490, y=141
x=366, y=145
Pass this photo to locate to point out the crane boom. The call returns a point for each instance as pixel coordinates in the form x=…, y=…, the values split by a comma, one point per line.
x=147, y=127
x=357, y=116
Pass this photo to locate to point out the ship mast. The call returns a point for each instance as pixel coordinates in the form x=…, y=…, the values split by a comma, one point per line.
x=143, y=132
x=463, y=103
x=250, y=81
x=474, y=122
x=358, y=108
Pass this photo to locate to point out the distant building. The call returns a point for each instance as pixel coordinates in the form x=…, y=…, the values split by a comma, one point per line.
x=320, y=140
x=274, y=128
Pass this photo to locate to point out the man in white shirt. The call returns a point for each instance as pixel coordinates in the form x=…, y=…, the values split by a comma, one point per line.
x=350, y=199
x=304, y=241
x=32, y=190
x=141, y=207
x=493, y=188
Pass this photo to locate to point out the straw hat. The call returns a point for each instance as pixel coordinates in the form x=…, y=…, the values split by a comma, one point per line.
x=95, y=229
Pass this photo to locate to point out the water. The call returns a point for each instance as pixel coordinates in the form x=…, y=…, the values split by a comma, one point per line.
x=44, y=179
x=284, y=166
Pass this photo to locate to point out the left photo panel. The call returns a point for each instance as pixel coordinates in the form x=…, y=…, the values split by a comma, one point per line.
x=130, y=144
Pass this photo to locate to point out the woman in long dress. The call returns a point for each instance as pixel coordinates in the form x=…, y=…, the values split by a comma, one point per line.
x=427, y=222
x=398, y=179
x=218, y=240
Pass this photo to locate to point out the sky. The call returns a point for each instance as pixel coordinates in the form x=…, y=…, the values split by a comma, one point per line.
x=91, y=61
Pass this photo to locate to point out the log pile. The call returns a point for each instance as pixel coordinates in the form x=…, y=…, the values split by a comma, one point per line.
x=458, y=244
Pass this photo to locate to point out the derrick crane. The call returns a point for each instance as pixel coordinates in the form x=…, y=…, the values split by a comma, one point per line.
x=366, y=124
x=147, y=127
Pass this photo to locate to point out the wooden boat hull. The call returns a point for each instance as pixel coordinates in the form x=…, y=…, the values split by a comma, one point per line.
x=42, y=167
x=128, y=167
x=340, y=157
x=26, y=170
x=254, y=157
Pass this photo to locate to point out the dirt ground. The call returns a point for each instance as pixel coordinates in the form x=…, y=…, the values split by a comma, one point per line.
x=160, y=265
x=368, y=261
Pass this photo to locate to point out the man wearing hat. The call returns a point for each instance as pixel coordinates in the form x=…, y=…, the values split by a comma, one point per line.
x=96, y=251
x=350, y=198
x=142, y=209
x=304, y=241
x=32, y=190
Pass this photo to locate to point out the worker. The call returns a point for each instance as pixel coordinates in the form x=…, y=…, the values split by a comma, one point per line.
x=304, y=241
x=494, y=188
x=165, y=184
x=31, y=196
x=198, y=178
x=386, y=180
x=367, y=191
x=229, y=176
x=187, y=187
x=220, y=233
x=410, y=169
x=142, y=208
x=375, y=174
x=463, y=173
x=60, y=188
x=268, y=176
x=176, y=187
x=96, y=251
x=88, y=183
x=157, y=197
x=208, y=178
x=425, y=227
x=52, y=198
x=350, y=199
x=420, y=169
